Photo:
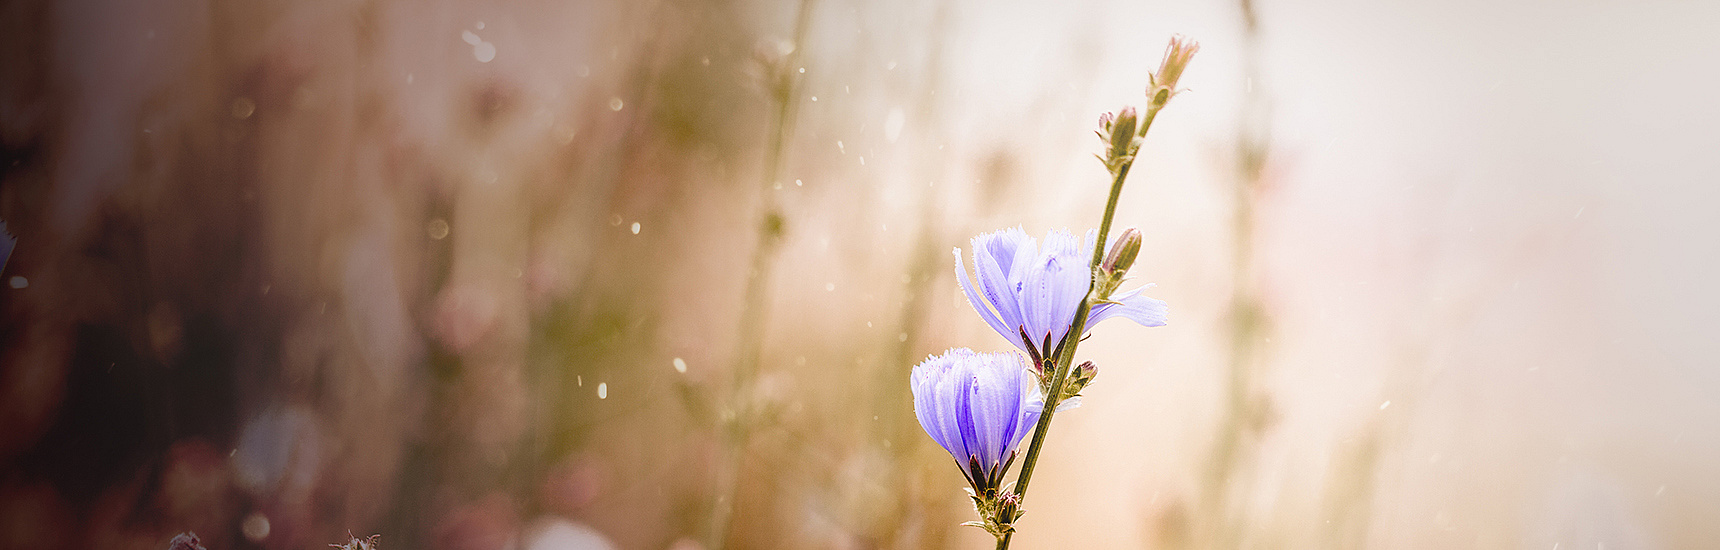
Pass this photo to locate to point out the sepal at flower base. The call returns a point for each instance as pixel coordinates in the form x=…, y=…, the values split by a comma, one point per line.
x=998, y=512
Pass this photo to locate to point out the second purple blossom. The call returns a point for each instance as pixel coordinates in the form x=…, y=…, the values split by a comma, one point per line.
x=1029, y=293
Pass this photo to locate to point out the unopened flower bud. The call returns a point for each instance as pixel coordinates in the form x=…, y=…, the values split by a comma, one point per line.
x=1123, y=252
x=1008, y=510
x=1177, y=55
x=1086, y=371
x=1117, y=263
x=1079, y=378
x=1123, y=133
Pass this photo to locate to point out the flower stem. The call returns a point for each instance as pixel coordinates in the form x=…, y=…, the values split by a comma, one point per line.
x=1061, y=363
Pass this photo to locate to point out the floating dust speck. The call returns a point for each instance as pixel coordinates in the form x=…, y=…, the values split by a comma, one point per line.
x=603, y=390
x=829, y=287
x=255, y=527
x=893, y=124
x=18, y=281
x=615, y=220
x=797, y=183
x=680, y=365
x=243, y=107
x=902, y=337
x=437, y=229
x=484, y=51
x=1383, y=406
x=635, y=228
x=615, y=104
x=579, y=380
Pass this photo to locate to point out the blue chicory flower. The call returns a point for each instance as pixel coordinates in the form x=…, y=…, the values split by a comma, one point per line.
x=1029, y=293
x=977, y=406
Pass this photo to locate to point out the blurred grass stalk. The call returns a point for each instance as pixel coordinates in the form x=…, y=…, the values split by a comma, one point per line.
x=735, y=426
x=1245, y=411
x=1222, y=518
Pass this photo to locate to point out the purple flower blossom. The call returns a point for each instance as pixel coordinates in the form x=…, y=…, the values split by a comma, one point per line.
x=977, y=406
x=1029, y=294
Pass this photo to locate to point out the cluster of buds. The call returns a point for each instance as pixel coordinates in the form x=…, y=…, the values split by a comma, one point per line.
x=997, y=510
x=1122, y=132
x=1079, y=379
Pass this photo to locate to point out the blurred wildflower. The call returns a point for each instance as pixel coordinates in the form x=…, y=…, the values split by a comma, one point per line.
x=185, y=541
x=355, y=543
x=1030, y=294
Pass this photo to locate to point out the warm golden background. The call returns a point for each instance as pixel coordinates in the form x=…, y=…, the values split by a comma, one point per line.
x=479, y=274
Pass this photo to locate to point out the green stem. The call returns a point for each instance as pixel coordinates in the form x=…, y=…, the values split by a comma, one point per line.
x=1061, y=364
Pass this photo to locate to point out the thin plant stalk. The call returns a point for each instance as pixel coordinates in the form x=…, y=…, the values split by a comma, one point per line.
x=736, y=430
x=1120, y=159
x=1061, y=363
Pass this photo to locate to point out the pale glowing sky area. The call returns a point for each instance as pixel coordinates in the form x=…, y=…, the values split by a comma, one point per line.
x=1497, y=217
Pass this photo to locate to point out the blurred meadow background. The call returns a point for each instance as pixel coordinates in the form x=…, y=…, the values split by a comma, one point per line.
x=651, y=274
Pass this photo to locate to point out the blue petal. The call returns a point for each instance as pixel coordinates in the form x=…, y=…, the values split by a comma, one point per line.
x=928, y=407
x=980, y=305
x=965, y=384
x=1001, y=383
x=1053, y=288
x=1135, y=307
x=999, y=259
x=975, y=405
x=1030, y=410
